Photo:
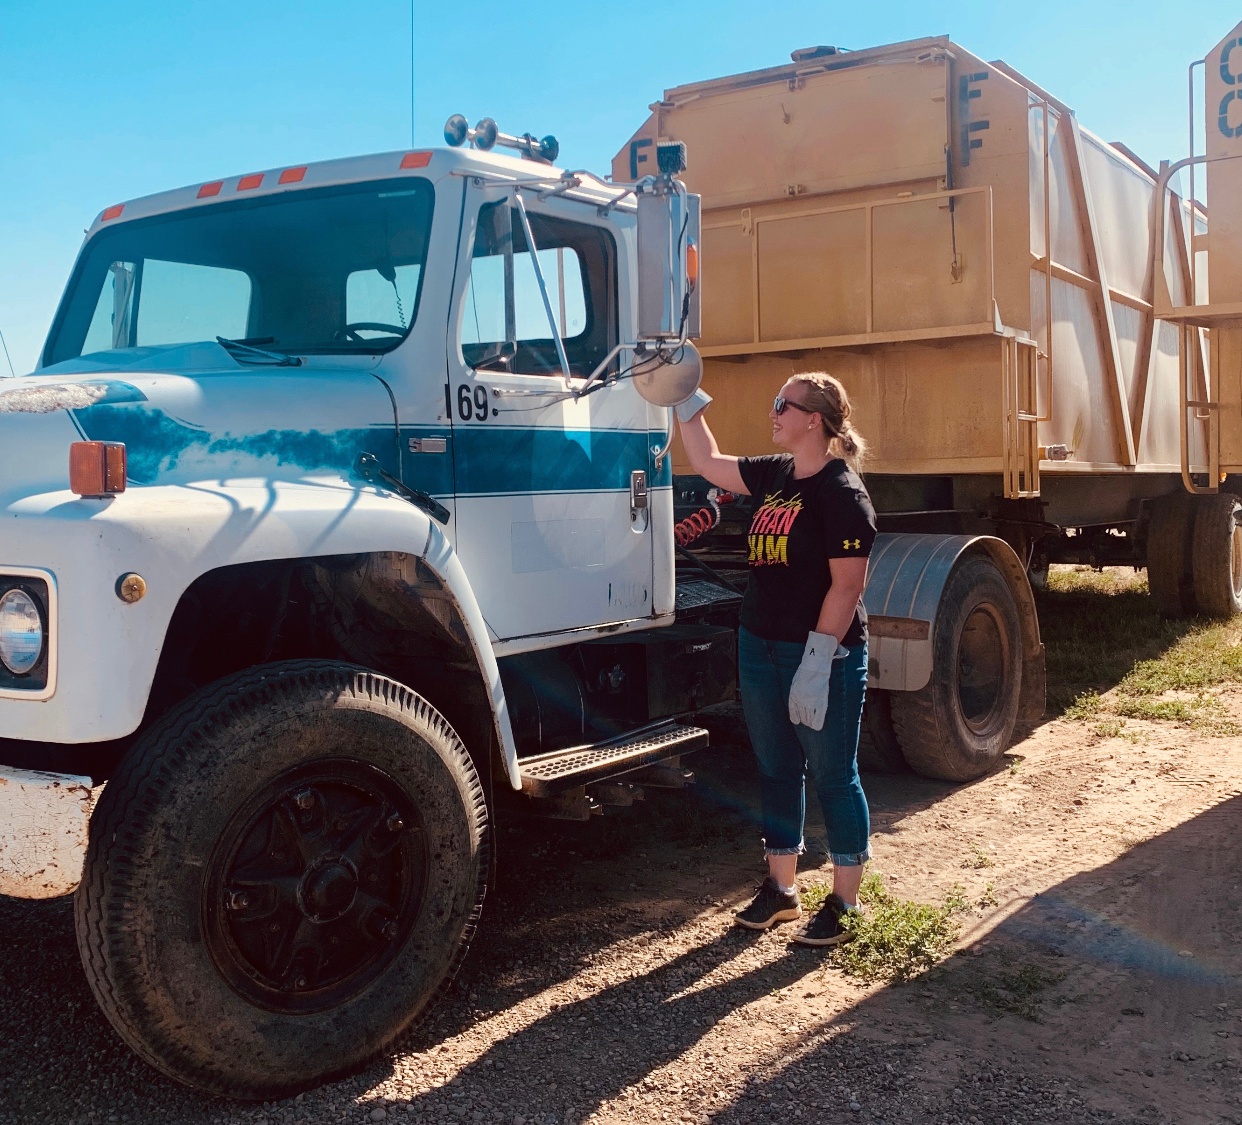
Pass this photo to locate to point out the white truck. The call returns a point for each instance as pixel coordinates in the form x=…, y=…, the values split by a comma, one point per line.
x=339, y=511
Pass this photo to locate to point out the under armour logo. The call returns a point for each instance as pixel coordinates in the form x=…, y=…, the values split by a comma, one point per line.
x=854, y=544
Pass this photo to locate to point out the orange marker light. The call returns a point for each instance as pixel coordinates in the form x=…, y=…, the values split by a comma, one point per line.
x=97, y=468
x=246, y=183
x=293, y=175
x=208, y=190
x=416, y=160
x=692, y=264
x=112, y=212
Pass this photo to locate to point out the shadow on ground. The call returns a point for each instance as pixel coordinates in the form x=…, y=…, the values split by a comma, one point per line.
x=1110, y=983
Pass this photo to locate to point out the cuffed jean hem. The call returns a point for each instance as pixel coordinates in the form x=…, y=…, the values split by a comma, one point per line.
x=856, y=860
x=799, y=850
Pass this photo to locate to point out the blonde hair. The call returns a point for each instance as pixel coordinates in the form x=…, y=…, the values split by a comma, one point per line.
x=826, y=396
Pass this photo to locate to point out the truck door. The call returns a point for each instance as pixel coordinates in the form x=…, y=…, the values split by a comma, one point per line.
x=552, y=522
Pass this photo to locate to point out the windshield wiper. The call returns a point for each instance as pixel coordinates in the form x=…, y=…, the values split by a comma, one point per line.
x=248, y=353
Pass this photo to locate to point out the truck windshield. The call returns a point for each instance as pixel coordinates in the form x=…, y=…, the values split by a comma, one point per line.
x=317, y=271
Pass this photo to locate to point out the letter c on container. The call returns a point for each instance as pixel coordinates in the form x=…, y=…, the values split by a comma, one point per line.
x=1226, y=73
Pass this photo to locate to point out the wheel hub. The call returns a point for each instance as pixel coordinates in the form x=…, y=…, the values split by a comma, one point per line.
x=328, y=890
x=981, y=667
x=313, y=886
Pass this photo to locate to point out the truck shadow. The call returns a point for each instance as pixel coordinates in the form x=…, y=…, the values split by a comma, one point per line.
x=1111, y=993
x=583, y=902
x=566, y=893
x=1115, y=994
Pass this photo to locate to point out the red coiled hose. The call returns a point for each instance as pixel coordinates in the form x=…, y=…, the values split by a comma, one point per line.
x=689, y=529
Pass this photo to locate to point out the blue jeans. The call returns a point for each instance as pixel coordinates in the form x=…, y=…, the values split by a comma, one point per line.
x=785, y=749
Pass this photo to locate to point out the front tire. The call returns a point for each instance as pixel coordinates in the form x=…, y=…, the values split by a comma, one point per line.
x=282, y=876
x=957, y=726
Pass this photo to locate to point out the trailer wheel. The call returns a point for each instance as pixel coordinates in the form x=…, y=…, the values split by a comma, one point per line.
x=878, y=748
x=1169, y=572
x=957, y=726
x=1216, y=555
x=282, y=876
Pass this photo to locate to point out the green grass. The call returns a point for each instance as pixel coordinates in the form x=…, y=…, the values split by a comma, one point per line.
x=1104, y=636
x=894, y=939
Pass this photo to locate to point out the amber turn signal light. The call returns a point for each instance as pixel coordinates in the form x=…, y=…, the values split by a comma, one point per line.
x=97, y=468
x=692, y=264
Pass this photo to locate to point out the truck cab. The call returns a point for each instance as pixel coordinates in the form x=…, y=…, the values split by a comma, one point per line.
x=338, y=514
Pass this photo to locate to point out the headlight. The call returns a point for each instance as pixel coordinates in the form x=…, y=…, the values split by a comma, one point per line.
x=21, y=632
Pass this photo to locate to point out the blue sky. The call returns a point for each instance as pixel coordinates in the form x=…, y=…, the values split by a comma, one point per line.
x=103, y=102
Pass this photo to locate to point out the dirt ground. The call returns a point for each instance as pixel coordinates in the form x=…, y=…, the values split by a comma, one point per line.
x=1096, y=978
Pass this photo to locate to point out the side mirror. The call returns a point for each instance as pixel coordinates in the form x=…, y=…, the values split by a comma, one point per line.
x=668, y=377
x=668, y=262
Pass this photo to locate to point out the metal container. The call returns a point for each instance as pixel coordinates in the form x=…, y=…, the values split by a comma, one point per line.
x=942, y=235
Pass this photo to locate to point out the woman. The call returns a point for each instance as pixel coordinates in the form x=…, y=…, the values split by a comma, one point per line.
x=802, y=645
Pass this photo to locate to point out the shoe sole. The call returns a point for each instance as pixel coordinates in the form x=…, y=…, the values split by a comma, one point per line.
x=840, y=939
x=779, y=916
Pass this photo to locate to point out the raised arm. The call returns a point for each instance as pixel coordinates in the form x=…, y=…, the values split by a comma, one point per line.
x=705, y=458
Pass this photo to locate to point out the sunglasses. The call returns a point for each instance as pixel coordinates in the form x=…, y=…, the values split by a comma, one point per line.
x=781, y=402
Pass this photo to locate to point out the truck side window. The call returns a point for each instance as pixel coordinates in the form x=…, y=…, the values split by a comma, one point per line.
x=504, y=323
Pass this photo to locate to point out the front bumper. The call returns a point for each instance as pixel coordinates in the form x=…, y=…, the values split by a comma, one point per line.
x=43, y=832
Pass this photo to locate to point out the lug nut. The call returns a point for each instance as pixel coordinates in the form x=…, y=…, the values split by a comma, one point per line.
x=305, y=799
x=395, y=823
x=388, y=930
x=238, y=900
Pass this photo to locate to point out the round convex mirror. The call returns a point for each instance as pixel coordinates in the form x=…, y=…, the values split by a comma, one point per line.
x=670, y=377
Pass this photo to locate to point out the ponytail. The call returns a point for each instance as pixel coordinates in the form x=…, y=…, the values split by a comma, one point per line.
x=826, y=396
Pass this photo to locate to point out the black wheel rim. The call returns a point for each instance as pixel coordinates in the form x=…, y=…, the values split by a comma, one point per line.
x=314, y=886
x=982, y=667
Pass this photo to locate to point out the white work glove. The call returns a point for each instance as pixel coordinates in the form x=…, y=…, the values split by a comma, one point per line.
x=808, y=695
x=693, y=405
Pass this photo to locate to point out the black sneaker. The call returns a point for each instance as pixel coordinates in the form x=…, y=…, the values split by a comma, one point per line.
x=768, y=907
x=826, y=928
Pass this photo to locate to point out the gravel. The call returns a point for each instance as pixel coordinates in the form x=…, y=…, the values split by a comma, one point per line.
x=607, y=985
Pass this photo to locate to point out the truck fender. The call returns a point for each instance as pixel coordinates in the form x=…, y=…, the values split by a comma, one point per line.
x=443, y=559
x=172, y=535
x=905, y=581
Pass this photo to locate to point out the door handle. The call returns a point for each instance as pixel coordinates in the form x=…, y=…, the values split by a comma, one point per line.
x=639, y=512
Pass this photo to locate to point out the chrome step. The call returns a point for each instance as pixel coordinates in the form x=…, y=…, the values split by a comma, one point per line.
x=545, y=775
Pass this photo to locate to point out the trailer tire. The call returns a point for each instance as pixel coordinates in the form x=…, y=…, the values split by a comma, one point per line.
x=878, y=748
x=957, y=726
x=1216, y=555
x=282, y=876
x=1170, y=533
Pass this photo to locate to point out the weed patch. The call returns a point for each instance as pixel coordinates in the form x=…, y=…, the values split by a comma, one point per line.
x=894, y=939
x=978, y=859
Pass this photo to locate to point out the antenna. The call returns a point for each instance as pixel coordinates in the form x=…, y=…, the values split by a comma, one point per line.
x=412, y=138
x=6, y=354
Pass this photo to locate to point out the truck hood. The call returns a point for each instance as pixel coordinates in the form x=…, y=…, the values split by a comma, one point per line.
x=227, y=423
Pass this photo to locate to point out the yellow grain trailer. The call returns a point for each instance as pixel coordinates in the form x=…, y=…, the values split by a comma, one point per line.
x=1016, y=318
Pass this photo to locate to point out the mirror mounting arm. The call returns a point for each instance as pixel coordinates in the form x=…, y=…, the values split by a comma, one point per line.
x=543, y=288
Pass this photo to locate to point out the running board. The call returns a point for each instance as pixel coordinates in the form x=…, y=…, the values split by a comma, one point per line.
x=546, y=775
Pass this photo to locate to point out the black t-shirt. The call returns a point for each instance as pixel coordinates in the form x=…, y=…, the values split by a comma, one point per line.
x=797, y=526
